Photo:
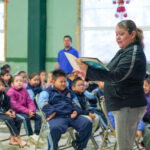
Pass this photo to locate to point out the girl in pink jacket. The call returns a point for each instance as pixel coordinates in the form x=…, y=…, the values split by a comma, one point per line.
x=24, y=107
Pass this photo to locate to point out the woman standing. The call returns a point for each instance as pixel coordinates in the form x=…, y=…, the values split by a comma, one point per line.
x=123, y=89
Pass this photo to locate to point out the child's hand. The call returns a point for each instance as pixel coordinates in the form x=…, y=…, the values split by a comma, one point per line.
x=51, y=116
x=74, y=114
x=31, y=113
x=139, y=133
x=13, y=114
x=92, y=116
x=9, y=113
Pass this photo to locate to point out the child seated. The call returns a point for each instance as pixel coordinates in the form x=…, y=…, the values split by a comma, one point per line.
x=5, y=76
x=78, y=87
x=24, y=76
x=61, y=112
x=146, y=87
x=6, y=67
x=49, y=81
x=9, y=117
x=34, y=86
x=24, y=107
x=43, y=77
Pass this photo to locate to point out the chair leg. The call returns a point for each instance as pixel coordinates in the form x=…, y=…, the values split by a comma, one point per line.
x=69, y=140
x=115, y=146
x=94, y=142
x=104, y=138
x=137, y=145
x=41, y=132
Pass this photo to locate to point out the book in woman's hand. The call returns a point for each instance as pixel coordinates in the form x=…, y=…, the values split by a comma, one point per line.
x=91, y=62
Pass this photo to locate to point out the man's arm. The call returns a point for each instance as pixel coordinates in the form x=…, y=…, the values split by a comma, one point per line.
x=57, y=65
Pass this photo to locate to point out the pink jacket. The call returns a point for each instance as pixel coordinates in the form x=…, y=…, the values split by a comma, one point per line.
x=20, y=100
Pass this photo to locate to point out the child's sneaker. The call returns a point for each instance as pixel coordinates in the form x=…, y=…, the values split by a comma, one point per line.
x=34, y=139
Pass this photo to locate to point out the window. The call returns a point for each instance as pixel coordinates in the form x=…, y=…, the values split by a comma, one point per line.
x=1, y=31
x=98, y=27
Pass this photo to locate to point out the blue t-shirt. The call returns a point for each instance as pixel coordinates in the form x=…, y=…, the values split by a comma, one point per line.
x=63, y=61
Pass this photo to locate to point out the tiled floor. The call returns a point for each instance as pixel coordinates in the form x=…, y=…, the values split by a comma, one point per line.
x=5, y=145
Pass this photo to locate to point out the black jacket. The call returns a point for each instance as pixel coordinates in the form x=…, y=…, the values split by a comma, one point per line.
x=124, y=82
x=85, y=110
x=4, y=102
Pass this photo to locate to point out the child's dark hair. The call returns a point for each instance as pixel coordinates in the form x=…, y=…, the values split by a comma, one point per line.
x=42, y=71
x=5, y=67
x=58, y=73
x=32, y=75
x=20, y=72
x=147, y=80
x=68, y=36
x=75, y=81
x=3, y=72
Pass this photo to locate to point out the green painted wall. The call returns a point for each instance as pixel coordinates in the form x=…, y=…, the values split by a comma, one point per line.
x=16, y=37
x=61, y=20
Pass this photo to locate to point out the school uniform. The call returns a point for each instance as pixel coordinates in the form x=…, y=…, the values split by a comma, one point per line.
x=62, y=103
x=85, y=110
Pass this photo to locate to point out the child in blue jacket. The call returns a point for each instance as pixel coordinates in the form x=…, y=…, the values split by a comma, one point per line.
x=78, y=86
x=61, y=112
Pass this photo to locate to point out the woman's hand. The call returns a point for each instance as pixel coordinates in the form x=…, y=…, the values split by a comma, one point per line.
x=83, y=69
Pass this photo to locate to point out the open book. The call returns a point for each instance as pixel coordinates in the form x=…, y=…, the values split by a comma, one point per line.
x=91, y=62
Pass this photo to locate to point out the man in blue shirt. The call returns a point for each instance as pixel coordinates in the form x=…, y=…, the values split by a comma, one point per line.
x=62, y=61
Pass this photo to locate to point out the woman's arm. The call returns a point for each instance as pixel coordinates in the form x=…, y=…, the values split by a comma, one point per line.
x=121, y=72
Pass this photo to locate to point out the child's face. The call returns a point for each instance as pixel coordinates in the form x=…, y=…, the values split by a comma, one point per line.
x=60, y=83
x=34, y=81
x=24, y=76
x=18, y=82
x=79, y=87
x=2, y=87
x=146, y=87
x=50, y=81
x=6, y=77
x=43, y=76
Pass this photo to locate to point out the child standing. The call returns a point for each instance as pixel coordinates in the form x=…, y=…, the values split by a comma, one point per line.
x=78, y=87
x=61, y=113
x=9, y=117
x=24, y=107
